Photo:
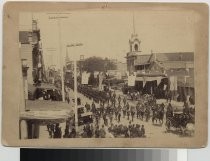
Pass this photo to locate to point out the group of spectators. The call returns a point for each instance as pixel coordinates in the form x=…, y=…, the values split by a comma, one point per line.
x=134, y=95
x=47, y=94
x=130, y=131
x=115, y=130
x=54, y=130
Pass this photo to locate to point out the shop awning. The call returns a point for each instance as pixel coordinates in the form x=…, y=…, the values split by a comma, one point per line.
x=47, y=111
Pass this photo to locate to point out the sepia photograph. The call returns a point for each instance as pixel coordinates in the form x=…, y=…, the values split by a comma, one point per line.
x=107, y=73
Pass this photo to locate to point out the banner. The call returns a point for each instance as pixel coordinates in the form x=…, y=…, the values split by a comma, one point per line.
x=85, y=77
x=173, y=83
x=158, y=80
x=131, y=80
x=127, y=73
x=26, y=89
x=144, y=81
x=107, y=74
x=95, y=74
x=165, y=86
x=100, y=80
x=151, y=90
x=119, y=76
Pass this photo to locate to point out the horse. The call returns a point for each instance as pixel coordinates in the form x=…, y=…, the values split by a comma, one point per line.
x=158, y=115
x=181, y=122
x=169, y=113
x=147, y=114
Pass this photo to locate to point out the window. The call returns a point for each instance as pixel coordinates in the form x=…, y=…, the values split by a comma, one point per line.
x=136, y=48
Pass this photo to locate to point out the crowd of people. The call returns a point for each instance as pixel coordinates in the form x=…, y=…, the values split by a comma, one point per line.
x=54, y=130
x=115, y=116
x=89, y=131
x=46, y=94
x=91, y=93
x=108, y=115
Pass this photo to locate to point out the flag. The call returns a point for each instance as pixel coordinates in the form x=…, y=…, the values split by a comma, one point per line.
x=144, y=81
x=158, y=80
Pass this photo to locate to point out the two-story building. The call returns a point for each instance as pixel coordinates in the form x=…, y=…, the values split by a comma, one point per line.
x=160, y=72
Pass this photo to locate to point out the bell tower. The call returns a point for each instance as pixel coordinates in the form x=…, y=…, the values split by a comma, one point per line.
x=134, y=41
x=134, y=44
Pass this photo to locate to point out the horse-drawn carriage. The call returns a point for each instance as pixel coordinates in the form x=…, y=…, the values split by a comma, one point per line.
x=182, y=122
x=84, y=117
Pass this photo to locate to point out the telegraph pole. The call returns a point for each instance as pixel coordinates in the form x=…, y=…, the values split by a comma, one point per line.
x=75, y=84
x=58, y=18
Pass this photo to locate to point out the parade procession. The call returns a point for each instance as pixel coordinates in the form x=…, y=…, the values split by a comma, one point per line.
x=135, y=94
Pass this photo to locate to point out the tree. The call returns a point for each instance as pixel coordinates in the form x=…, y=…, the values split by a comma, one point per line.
x=92, y=64
x=109, y=65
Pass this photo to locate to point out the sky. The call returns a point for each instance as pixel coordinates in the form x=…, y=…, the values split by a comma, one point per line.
x=106, y=33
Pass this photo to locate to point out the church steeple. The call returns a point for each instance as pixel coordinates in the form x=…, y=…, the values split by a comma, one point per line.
x=134, y=41
x=134, y=44
x=134, y=32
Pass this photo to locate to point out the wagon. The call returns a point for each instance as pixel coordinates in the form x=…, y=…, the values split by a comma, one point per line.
x=84, y=117
x=179, y=121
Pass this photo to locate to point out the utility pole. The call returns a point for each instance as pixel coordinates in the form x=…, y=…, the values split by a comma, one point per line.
x=58, y=18
x=75, y=84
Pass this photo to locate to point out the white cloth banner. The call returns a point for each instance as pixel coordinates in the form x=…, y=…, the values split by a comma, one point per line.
x=96, y=74
x=131, y=80
x=144, y=81
x=100, y=80
x=119, y=76
x=147, y=79
x=127, y=73
x=151, y=90
x=165, y=86
x=158, y=80
x=173, y=83
x=85, y=77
